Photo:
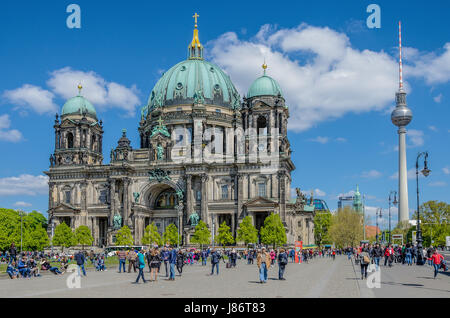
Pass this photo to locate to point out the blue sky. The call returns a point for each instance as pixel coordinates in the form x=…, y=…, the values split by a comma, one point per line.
x=339, y=79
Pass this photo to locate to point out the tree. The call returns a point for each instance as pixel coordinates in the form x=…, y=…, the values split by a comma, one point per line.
x=346, y=227
x=273, y=232
x=9, y=228
x=63, y=236
x=202, y=235
x=171, y=235
x=124, y=237
x=435, y=222
x=322, y=223
x=247, y=232
x=224, y=236
x=151, y=235
x=38, y=239
x=83, y=236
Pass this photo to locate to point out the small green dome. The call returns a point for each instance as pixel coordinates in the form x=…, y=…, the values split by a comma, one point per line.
x=265, y=85
x=185, y=81
x=78, y=105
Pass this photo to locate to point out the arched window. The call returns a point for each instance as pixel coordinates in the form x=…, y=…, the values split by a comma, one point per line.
x=69, y=140
x=93, y=145
x=166, y=200
x=262, y=125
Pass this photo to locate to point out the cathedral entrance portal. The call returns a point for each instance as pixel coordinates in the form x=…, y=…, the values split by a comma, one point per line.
x=259, y=222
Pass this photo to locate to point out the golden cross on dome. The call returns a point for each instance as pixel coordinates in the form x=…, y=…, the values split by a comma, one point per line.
x=79, y=89
x=160, y=121
x=195, y=16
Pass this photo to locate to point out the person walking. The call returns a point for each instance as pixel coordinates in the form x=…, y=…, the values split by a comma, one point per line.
x=165, y=258
x=122, y=255
x=180, y=262
x=172, y=259
x=155, y=263
x=80, y=259
x=437, y=259
x=376, y=255
x=233, y=258
x=12, y=253
x=364, y=262
x=204, y=255
x=282, y=262
x=141, y=261
x=132, y=255
x=263, y=260
x=215, y=258
x=408, y=255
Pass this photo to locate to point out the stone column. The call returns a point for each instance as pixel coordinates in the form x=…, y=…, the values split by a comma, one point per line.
x=189, y=195
x=282, y=195
x=83, y=186
x=240, y=195
x=126, y=201
x=112, y=202
x=204, y=198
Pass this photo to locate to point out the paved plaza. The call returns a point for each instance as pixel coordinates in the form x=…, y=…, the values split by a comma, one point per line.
x=322, y=277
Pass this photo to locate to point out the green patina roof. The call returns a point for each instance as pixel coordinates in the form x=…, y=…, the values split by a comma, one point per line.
x=78, y=105
x=194, y=80
x=265, y=85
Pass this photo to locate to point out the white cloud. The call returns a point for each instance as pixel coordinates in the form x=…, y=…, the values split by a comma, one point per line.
x=321, y=75
x=433, y=128
x=24, y=184
x=32, y=97
x=22, y=204
x=416, y=137
x=432, y=67
x=347, y=194
x=371, y=174
x=97, y=90
x=446, y=170
x=438, y=98
x=340, y=139
x=319, y=139
x=12, y=135
x=438, y=184
x=319, y=193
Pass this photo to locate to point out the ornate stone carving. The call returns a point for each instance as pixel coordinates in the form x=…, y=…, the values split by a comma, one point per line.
x=159, y=175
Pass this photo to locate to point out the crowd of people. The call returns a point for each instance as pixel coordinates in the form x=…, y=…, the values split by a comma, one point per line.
x=407, y=254
x=28, y=264
x=32, y=264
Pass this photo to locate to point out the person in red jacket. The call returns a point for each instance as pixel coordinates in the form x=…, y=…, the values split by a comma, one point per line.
x=437, y=259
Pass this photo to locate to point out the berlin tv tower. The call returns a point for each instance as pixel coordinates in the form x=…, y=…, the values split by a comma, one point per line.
x=401, y=116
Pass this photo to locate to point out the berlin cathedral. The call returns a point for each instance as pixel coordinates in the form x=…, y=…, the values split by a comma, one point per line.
x=203, y=155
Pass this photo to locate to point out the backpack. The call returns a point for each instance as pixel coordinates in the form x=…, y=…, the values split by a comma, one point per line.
x=283, y=260
x=366, y=259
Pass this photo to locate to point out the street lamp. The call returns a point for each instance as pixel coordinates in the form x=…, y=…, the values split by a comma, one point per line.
x=425, y=171
x=394, y=193
x=378, y=215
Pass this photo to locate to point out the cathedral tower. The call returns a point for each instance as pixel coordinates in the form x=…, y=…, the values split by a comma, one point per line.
x=78, y=135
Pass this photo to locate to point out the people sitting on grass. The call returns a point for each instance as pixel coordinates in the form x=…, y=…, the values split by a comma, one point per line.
x=45, y=265
x=100, y=263
x=34, y=269
x=12, y=270
x=24, y=271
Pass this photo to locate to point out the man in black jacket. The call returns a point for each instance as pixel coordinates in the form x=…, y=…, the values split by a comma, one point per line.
x=79, y=257
x=376, y=255
x=12, y=253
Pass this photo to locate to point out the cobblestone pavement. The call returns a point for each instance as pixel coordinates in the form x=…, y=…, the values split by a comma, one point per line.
x=321, y=277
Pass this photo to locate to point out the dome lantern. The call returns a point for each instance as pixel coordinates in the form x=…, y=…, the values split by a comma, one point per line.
x=195, y=48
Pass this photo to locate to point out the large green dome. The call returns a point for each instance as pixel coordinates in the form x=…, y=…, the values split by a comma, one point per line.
x=265, y=85
x=188, y=80
x=78, y=105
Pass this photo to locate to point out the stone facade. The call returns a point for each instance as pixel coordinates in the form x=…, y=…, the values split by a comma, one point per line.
x=187, y=162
